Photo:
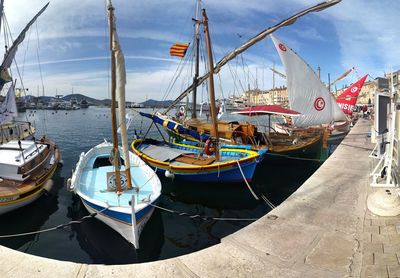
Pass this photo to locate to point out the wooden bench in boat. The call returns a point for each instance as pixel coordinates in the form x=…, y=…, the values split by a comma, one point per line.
x=167, y=154
x=164, y=153
x=194, y=159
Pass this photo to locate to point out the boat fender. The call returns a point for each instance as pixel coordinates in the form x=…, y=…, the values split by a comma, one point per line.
x=209, y=147
x=69, y=185
x=48, y=186
x=61, y=162
x=169, y=174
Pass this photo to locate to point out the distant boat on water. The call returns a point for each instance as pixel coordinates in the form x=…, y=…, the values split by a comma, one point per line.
x=136, y=105
x=84, y=103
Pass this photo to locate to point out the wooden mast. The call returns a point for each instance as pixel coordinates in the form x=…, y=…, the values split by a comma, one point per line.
x=115, y=152
x=250, y=42
x=211, y=84
x=196, y=68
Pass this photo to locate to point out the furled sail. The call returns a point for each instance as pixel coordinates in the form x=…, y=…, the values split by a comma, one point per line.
x=307, y=94
x=120, y=91
x=10, y=54
x=260, y=36
x=8, y=109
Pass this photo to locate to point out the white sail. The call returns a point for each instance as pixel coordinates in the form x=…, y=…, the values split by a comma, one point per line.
x=8, y=109
x=307, y=94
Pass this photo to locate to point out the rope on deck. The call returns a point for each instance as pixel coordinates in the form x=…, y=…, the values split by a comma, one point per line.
x=61, y=226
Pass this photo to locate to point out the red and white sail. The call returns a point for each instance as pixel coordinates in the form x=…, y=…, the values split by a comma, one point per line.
x=307, y=94
x=348, y=98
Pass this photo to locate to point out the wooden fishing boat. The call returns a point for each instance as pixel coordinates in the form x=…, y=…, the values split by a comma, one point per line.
x=211, y=164
x=26, y=165
x=26, y=168
x=187, y=162
x=127, y=211
x=111, y=181
x=245, y=135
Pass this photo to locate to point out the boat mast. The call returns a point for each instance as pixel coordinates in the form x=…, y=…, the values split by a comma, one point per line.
x=196, y=50
x=260, y=36
x=115, y=152
x=1, y=11
x=211, y=83
x=11, y=51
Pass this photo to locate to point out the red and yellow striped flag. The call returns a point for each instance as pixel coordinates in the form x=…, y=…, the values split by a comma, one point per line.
x=178, y=49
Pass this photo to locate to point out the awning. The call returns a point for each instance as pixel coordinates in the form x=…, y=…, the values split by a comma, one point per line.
x=267, y=110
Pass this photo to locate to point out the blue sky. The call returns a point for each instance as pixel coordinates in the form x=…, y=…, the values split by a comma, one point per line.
x=73, y=47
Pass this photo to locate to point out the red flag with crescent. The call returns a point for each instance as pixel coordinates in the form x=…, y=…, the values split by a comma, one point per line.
x=348, y=98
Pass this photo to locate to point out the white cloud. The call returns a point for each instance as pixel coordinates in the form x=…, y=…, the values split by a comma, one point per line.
x=365, y=33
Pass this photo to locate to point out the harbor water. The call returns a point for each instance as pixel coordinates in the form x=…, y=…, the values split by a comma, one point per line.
x=191, y=226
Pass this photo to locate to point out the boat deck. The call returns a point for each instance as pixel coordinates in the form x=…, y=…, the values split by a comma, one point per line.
x=163, y=153
x=93, y=183
x=188, y=157
x=11, y=154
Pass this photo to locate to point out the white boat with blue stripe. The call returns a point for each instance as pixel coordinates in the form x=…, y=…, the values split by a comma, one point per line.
x=126, y=212
x=115, y=185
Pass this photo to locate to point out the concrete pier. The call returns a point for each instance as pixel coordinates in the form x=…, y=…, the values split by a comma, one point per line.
x=323, y=230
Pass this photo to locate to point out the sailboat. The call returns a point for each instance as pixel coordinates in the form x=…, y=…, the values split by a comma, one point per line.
x=111, y=181
x=208, y=164
x=26, y=166
x=243, y=134
x=10, y=129
x=308, y=95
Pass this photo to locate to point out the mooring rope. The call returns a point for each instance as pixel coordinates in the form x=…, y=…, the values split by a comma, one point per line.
x=202, y=217
x=268, y=202
x=295, y=158
x=358, y=147
x=245, y=180
x=61, y=226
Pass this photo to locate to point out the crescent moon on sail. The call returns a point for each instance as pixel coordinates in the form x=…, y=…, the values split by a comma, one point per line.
x=354, y=89
x=319, y=104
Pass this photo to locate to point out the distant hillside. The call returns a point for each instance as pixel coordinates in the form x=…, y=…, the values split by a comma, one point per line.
x=80, y=97
x=97, y=102
x=157, y=103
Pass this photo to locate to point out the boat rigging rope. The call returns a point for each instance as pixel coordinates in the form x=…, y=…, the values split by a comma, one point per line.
x=61, y=226
x=245, y=180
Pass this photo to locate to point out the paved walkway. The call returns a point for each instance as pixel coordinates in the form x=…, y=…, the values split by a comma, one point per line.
x=322, y=230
